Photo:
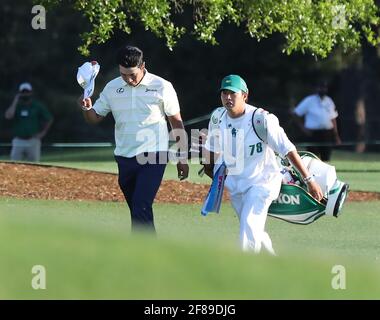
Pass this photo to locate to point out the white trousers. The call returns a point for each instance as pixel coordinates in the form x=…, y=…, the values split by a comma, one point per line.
x=26, y=149
x=252, y=209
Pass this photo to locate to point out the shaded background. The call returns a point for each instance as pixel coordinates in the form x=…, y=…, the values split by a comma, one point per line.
x=49, y=60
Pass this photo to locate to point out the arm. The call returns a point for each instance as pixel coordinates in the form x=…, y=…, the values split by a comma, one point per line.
x=314, y=189
x=210, y=159
x=207, y=157
x=299, y=120
x=279, y=142
x=211, y=148
x=41, y=134
x=10, y=112
x=336, y=134
x=299, y=113
x=89, y=113
x=181, y=140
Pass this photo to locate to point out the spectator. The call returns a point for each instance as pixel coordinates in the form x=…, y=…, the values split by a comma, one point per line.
x=319, y=125
x=30, y=123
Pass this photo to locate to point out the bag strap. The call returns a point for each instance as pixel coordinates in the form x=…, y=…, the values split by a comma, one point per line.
x=259, y=124
x=217, y=115
x=220, y=117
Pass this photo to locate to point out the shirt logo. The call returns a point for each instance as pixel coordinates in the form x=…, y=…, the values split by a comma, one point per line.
x=120, y=90
x=153, y=90
x=214, y=120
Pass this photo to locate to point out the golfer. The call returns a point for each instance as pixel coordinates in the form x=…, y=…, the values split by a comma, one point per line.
x=140, y=102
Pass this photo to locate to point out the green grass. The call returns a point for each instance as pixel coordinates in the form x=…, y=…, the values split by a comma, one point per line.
x=351, y=161
x=88, y=253
x=361, y=181
x=351, y=167
x=97, y=159
x=361, y=171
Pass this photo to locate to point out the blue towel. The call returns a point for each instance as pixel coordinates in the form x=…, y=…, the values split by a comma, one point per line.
x=214, y=197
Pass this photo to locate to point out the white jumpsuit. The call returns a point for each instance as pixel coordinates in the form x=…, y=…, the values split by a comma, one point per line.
x=254, y=177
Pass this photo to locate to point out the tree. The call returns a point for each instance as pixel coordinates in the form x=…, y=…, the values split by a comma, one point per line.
x=314, y=26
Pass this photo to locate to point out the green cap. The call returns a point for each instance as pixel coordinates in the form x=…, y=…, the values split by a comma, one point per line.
x=234, y=83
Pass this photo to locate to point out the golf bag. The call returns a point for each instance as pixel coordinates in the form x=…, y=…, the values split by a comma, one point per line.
x=295, y=204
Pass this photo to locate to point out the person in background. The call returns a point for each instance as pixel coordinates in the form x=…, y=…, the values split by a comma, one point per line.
x=30, y=123
x=319, y=125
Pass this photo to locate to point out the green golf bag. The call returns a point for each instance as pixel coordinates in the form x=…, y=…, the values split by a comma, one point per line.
x=296, y=205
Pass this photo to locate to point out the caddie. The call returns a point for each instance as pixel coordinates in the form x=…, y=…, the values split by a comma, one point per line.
x=139, y=102
x=245, y=138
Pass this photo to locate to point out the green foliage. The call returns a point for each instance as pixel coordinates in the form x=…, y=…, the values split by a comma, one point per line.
x=209, y=15
x=314, y=26
x=308, y=26
x=104, y=17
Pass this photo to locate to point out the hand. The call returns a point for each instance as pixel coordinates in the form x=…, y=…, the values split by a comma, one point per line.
x=10, y=112
x=209, y=170
x=183, y=170
x=315, y=190
x=84, y=103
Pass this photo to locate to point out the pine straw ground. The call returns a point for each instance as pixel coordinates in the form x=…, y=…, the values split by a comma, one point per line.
x=48, y=182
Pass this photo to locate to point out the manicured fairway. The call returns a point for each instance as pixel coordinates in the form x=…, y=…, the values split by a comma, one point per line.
x=88, y=253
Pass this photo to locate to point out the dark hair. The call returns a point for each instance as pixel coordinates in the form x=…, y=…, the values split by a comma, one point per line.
x=129, y=57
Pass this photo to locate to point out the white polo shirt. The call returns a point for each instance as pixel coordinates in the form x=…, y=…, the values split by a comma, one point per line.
x=139, y=113
x=250, y=161
x=319, y=112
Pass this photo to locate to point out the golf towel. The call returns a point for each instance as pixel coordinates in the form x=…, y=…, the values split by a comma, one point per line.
x=214, y=197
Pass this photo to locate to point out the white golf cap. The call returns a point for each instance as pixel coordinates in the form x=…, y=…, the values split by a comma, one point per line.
x=86, y=75
x=25, y=86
